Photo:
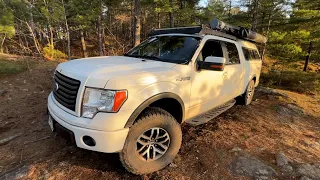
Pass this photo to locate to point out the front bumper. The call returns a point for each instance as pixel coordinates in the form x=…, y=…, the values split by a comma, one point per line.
x=105, y=141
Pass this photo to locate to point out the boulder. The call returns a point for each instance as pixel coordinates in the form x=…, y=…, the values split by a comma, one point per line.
x=308, y=170
x=281, y=159
x=247, y=165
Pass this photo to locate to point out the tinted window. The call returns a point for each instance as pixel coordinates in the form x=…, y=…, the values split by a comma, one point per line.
x=256, y=54
x=246, y=53
x=176, y=49
x=251, y=54
x=233, y=55
x=211, y=48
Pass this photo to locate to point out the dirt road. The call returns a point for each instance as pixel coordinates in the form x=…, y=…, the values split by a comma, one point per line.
x=289, y=123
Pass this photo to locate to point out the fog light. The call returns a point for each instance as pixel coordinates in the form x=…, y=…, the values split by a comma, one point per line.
x=89, y=141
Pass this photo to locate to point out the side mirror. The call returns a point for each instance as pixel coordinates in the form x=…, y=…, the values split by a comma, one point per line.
x=212, y=63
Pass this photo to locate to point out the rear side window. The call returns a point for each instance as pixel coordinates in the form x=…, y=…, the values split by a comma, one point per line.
x=251, y=54
x=233, y=54
x=256, y=54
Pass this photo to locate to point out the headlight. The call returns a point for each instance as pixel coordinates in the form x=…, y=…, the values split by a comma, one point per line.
x=101, y=100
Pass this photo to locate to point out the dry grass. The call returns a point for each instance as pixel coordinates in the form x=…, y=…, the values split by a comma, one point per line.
x=261, y=129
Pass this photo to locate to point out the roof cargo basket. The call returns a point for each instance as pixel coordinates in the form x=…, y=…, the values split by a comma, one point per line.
x=217, y=28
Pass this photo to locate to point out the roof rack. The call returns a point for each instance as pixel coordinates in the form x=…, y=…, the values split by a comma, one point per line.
x=217, y=28
x=209, y=31
x=182, y=30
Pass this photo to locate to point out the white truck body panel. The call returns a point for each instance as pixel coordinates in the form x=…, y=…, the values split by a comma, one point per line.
x=200, y=91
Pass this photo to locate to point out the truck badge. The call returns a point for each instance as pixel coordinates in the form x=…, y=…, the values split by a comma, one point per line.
x=184, y=79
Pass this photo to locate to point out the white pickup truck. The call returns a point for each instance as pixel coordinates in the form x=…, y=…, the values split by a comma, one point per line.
x=134, y=104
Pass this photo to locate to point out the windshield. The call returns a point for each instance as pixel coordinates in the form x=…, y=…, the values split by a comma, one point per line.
x=174, y=49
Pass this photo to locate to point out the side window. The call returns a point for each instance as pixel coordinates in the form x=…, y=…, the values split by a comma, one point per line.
x=246, y=53
x=256, y=55
x=233, y=54
x=251, y=54
x=210, y=48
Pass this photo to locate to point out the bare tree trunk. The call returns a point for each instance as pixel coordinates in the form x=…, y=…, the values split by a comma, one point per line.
x=83, y=43
x=68, y=31
x=137, y=24
x=307, y=57
x=35, y=40
x=146, y=26
x=100, y=30
x=171, y=17
x=50, y=30
x=230, y=6
x=267, y=33
x=103, y=35
x=26, y=40
x=254, y=15
x=132, y=24
x=262, y=21
x=2, y=43
x=51, y=41
x=159, y=21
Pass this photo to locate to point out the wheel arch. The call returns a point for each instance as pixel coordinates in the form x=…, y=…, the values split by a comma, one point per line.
x=156, y=101
x=254, y=78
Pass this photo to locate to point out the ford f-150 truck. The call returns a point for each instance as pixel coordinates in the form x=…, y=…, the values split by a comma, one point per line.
x=134, y=104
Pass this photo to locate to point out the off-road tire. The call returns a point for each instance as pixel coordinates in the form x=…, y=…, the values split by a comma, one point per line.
x=152, y=117
x=246, y=98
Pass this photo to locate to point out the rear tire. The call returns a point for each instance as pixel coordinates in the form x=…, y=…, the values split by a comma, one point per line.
x=247, y=97
x=152, y=142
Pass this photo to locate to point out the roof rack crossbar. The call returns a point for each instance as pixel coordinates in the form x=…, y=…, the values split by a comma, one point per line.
x=182, y=30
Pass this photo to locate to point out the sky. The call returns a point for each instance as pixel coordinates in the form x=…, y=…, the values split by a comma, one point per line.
x=203, y=3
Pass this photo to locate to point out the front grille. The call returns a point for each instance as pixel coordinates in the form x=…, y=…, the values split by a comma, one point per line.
x=65, y=90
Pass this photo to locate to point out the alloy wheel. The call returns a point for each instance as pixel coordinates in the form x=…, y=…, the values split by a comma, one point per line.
x=152, y=144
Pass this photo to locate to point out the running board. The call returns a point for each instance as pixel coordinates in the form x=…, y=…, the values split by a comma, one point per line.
x=204, y=118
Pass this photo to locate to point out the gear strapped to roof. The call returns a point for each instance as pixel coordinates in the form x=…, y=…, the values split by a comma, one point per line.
x=217, y=28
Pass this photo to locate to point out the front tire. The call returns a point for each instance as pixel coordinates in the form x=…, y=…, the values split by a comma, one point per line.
x=152, y=142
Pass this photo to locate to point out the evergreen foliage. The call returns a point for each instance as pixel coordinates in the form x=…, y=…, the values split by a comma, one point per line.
x=108, y=27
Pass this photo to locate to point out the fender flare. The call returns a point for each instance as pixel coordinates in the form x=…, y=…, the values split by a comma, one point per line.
x=151, y=100
x=246, y=87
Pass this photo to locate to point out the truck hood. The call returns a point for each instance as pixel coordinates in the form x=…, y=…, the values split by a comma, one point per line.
x=96, y=71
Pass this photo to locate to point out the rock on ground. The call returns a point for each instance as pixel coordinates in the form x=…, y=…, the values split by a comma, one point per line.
x=8, y=139
x=308, y=170
x=18, y=173
x=295, y=108
x=235, y=149
x=289, y=109
x=283, y=162
x=271, y=91
x=247, y=165
x=281, y=159
x=3, y=92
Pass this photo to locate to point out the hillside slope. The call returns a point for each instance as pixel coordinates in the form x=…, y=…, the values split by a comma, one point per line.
x=276, y=121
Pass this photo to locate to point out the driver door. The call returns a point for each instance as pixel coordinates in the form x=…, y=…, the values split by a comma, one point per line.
x=207, y=85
